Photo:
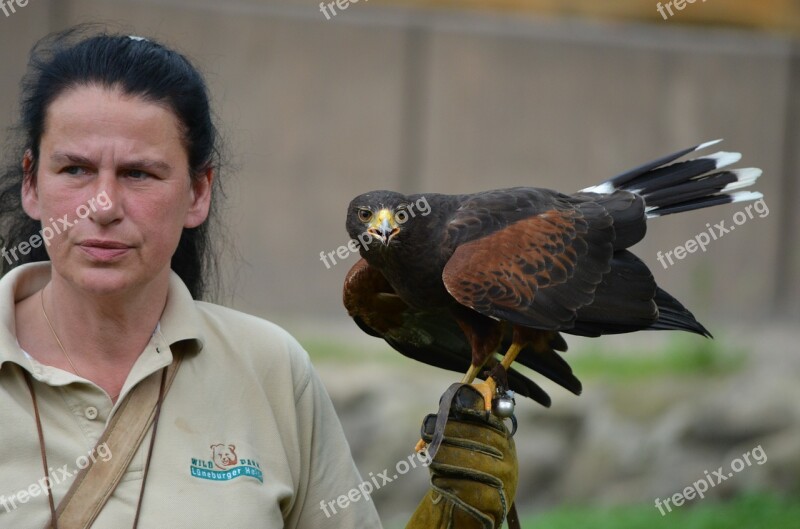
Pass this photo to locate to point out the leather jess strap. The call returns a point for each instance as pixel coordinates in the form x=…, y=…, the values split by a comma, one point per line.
x=94, y=484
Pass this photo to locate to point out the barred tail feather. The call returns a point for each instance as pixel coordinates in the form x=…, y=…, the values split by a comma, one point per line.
x=670, y=186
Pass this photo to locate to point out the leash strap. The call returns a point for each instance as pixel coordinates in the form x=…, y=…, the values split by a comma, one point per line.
x=94, y=484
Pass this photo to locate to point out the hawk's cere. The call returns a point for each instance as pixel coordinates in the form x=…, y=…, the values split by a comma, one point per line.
x=510, y=269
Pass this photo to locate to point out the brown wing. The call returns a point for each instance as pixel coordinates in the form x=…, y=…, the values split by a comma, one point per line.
x=370, y=300
x=431, y=337
x=537, y=271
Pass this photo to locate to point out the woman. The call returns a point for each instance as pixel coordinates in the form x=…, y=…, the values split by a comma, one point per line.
x=206, y=417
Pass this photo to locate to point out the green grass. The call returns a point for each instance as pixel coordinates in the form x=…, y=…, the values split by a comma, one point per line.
x=757, y=511
x=679, y=355
x=754, y=511
x=336, y=350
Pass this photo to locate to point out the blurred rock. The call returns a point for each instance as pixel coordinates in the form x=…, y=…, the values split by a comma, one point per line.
x=626, y=440
x=744, y=409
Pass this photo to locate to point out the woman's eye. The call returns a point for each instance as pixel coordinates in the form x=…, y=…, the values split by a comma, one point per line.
x=364, y=215
x=136, y=175
x=74, y=170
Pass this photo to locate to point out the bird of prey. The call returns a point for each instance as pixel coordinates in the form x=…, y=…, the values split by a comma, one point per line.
x=470, y=276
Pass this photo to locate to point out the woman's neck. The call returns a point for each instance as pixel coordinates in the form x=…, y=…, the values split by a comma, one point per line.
x=102, y=336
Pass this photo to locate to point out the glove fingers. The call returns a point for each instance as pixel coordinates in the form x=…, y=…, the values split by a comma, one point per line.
x=465, y=464
x=457, y=472
x=469, y=431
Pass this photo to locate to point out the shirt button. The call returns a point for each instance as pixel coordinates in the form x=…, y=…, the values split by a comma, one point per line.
x=91, y=413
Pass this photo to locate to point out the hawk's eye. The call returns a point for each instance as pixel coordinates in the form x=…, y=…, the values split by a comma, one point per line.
x=364, y=215
x=401, y=213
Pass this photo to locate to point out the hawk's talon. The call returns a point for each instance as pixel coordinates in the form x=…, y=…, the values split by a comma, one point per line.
x=500, y=376
x=487, y=389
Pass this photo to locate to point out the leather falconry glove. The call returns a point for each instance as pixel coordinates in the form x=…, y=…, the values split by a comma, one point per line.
x=473, y=472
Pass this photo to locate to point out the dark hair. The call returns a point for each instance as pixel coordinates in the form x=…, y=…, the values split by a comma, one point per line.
x=138, y=67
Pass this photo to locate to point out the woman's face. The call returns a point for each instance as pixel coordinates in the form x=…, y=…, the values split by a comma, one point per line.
x=112, y=184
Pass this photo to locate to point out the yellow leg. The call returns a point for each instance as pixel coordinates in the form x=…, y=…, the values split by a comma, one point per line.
x=487, y=388
x=511, y=354
x=471, y=373
x=467, y=379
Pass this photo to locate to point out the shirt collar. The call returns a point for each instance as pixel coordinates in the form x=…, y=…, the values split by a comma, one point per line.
x=180, y=320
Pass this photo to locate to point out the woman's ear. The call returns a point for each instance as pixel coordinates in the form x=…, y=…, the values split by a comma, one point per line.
x=30, y=194
x=200, y=199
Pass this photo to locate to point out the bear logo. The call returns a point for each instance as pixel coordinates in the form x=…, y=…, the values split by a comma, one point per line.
x=224, y=456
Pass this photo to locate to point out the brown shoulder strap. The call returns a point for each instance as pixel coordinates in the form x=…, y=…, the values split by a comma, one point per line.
x=94, y=484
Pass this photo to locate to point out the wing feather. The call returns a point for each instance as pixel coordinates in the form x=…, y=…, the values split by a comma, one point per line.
x=538, y=271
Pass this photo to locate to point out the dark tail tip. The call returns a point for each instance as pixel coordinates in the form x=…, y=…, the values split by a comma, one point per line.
x=672, y=315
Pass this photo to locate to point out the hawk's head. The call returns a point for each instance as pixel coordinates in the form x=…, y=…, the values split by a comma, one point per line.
x=377, y=215
x=377, y=218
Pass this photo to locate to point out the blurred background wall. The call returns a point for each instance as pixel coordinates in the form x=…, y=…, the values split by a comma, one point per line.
x=421, y=96
x=465, y=95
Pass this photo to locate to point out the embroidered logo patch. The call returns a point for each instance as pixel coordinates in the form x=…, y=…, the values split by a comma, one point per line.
x=225, y=465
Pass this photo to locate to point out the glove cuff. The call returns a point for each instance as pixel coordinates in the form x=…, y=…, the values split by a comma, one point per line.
x=460, y=508
x=441, y=509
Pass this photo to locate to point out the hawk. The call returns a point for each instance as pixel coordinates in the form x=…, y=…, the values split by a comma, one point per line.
x=455, y=280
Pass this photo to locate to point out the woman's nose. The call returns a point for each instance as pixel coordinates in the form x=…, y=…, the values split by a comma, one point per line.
x=106, y=202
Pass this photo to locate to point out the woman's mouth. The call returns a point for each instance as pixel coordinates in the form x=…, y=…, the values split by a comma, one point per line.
x=103, y=250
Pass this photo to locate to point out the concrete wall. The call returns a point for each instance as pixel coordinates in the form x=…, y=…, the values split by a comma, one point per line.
x=316, y=112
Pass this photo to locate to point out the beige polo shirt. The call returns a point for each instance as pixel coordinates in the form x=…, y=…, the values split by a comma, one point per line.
x=247, y=438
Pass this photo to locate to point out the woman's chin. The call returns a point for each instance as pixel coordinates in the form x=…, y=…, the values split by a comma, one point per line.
x=106, y=282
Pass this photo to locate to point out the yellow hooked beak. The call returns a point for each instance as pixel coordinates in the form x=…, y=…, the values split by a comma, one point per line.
x=383, y=226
